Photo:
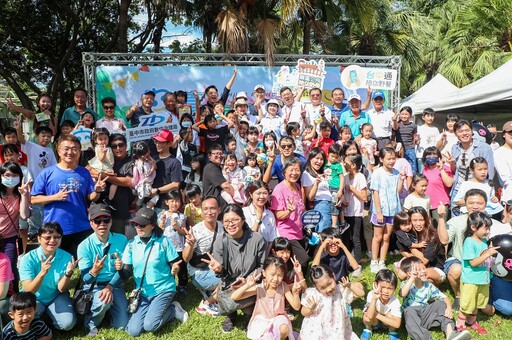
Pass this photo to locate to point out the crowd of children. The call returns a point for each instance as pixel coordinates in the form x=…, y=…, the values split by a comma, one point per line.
x=408, y=188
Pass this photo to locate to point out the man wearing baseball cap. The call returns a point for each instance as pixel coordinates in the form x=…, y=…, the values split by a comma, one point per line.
x=98, y=252
x=382, y=120
x=354, y=117
x=259, y=101
x=168, y=169
x=135, y=112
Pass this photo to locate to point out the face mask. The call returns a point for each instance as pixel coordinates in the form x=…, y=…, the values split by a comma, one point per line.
x=269, y=143
x=431, y=160
x=186, y=124
x=10, y=182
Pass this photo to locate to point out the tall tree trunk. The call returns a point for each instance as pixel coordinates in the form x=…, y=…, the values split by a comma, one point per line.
x=306, y=37
x=122, y=44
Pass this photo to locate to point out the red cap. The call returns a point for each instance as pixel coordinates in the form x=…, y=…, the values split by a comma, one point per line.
x=164, y=136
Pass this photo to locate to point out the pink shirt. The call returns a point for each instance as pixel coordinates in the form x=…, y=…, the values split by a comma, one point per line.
x=402, y=165
x=436, y=189
x=7, y=217
x=291, y=227
x=6, y=274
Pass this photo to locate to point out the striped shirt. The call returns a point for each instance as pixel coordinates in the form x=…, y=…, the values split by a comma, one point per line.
x=37, y=330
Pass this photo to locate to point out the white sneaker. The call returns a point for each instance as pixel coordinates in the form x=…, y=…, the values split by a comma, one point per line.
x=179, y=312
x=382, y=265
x=357, y=272
x=205, y=308
x=374, y=266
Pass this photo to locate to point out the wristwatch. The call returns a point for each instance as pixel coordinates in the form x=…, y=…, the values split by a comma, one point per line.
x=259, y=222
x=158, y=191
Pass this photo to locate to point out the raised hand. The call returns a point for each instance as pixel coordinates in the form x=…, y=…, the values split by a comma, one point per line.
x=189, y=238
x=135, y=107
x=196, y=94
x=213, y=264
x=118, y=263
x=297, y=285
x=290, y=205
x=17, y=123
x=46, y=264
x=252, y=279
x=98, y=264
x=296, y=265
x=441, y=209
x=23, y=189
x=72, y=265
x=376, y=292
x=10, y=104
x=491, y=251
x=176, y=267
x=101, y=183
x=345, y=282
x=312, y=303
x=62, y=195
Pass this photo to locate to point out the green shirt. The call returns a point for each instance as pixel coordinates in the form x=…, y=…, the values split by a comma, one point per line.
x=334, y=171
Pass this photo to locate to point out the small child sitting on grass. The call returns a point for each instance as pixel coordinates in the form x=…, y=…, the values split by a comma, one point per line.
x=420, y=313
x=24, y=325
x=382, y=310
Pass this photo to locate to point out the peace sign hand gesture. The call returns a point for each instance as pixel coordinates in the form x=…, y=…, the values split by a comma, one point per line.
x=23, y=189
x=62, y=195
x=252, y=279
x=72, y=265
x=98, y=265
x=297, y=287
x=290, y=205
x=46, y=264
x=213, y=264
x=297, y=268
x=101, y=184
x=189, y=238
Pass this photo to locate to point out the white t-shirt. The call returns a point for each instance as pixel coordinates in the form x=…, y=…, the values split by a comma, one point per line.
x=39, y=157
x=412, y=200
x=382, y=122
x=503, y=165
x=393, y=306
x=204, y=240
x=314, y=111
x=355, y=206
x=429, y=135
x=267, y=228
x=323, y=192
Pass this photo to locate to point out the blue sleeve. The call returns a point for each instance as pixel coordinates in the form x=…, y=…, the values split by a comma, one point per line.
x=39, y=186
x=170, y=252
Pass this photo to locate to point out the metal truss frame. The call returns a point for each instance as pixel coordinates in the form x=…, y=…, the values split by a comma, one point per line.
x=92, y=60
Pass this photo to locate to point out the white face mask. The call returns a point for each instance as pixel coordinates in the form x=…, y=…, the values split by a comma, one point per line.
x=269, y=143
x=10, y=182
x=186, y=124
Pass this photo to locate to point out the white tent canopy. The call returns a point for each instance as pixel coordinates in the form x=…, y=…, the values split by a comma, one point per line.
x=490, y=94
x=437, y=87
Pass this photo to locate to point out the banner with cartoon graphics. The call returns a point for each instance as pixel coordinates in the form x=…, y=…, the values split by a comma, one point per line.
x=84, y=136
x=127, y=83
x=354, y=77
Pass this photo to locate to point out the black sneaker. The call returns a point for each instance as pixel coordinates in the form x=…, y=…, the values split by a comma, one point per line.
x=109, y=204
x=228, y=323
x=456, y=304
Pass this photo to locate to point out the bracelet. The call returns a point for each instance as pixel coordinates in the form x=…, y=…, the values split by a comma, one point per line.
x=90, y=273
x=158, y=191
x=68, y=275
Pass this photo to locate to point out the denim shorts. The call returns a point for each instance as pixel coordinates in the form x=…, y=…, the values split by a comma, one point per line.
x=448, y=263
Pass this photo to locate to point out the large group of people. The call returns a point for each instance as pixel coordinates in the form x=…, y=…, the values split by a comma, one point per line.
x=222, y=204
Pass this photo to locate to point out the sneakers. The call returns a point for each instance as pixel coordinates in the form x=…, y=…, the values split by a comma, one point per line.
x=357, y=272
x=479, y=329
x=366, y=335
x=456, y=304
x=93, y=332
x=228, y=323
x=464, y=335
x=374, y=266
x=382, y=265
x=343, y=227
x=179, y=312
x=393, y=336
x=210, y=309
x=109, y=204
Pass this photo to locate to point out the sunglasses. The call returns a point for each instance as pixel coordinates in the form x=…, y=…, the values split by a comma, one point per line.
x=286, y=146
x=139, y=226
x=48, y=238
x=105, y=220
x=117, y=146
x=108, y=107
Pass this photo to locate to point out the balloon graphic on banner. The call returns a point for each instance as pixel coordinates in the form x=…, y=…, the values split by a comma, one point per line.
x=502, y=266
x=481, y=133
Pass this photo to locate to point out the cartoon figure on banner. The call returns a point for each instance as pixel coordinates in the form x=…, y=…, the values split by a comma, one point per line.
x=311, y=73
x=285, y=78
x=84, y=136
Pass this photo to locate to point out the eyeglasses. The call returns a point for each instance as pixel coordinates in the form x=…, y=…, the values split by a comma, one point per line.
x=216, y=153
x=105, y=220
x=286, y=146
x=108, y=107
x=72, y=150
x=233, y=221
x=315, y=95
x=48, y=238
x=117, y=146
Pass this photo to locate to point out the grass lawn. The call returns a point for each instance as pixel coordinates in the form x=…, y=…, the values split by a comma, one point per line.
x=204, y=327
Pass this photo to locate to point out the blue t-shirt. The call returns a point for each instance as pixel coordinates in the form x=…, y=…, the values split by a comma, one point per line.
x=478, y=275
x=277, y=167
x=30, y=266
x=158, y=278
x=73, y=115
x=386, y=184
x=71, y=214
x=92, y=246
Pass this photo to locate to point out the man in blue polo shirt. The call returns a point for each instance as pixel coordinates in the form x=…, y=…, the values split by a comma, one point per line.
x=354, y=117
x=98, y=254
x=275, y=166
x=75, y=113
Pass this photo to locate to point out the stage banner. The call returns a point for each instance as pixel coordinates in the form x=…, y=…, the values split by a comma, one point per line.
x=126, y=84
